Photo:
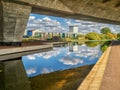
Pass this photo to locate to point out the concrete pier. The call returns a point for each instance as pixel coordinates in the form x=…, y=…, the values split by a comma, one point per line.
x=13, y=20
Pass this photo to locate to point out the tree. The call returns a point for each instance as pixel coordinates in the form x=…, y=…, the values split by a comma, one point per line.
x=92, y=36
x=111, y=36
x=118, y=36
x=105, y=30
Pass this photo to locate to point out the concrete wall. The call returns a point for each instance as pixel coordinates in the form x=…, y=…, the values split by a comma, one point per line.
x=14, y=18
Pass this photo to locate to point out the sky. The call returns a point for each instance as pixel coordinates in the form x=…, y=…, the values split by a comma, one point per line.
x=47, y=23
x=60, y=58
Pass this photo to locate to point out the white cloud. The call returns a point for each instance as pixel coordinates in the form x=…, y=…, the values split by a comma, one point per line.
x=46, y=70
x=46, y=19
x=31, y=71
x=31, y=17
x=31, y=57
x=67, y=60
x=47, y=24
x=45, y=55
x=84, y=51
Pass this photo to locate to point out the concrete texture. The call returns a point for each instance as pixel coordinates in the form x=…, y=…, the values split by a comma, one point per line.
x=106, y=11
x=111, y=78
x=94, y=78
x=14, y=52
x=13, y=20
x=8, y=53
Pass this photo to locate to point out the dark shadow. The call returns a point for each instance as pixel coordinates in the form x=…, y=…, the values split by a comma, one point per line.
x=61, y=80
x=114, y=43
x=13, y=76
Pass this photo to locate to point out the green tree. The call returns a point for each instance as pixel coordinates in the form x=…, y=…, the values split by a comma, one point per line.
x=118, y=36
x=104, y=36
x=104, y=45
x=92, y=36
x=105, y=30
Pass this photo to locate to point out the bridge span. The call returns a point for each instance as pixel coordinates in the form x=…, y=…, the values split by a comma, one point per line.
x=14, y=14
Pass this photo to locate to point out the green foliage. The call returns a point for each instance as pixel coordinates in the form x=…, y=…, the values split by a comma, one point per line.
x=92, y=44
x=104, y=36
x=104, y=46
x=105, y=30
x=92, y=36
x=118, y=36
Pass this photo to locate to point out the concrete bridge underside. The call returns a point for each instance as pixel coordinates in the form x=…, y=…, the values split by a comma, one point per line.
x=14, y=14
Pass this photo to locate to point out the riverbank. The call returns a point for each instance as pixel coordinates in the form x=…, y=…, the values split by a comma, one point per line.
x=9, y=52
x=94, y=78
x=90, y=40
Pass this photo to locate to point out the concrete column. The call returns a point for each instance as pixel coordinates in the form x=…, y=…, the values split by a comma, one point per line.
x=13, y=20
x=13, y=76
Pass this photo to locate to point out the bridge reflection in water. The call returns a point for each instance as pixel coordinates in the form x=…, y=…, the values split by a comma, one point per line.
x=13, y=75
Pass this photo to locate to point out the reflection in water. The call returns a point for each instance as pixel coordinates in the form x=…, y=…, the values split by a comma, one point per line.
x=13, y=76
x=60, y=58
x=92, y=44
x=67, y=60
x=60, y=80
x=73, y=47
x=38, y=67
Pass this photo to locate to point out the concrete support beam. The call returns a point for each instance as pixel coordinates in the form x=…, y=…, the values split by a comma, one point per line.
x=13, y=20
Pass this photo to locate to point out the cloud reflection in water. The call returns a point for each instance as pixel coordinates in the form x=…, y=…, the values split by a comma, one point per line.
x=70, y=61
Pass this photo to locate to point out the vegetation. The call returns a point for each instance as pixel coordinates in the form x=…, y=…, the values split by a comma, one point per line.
x=92, y=44
x=105, y=30
x=104, y=46
x=118, y=36
x=92, y=36
x=105, y=35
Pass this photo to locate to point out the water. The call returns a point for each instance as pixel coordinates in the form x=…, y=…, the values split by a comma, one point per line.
x=61, y=58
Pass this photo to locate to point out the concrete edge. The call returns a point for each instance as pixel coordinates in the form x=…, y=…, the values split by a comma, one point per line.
x=94, y=78
x=29, y=48
x=24, y=49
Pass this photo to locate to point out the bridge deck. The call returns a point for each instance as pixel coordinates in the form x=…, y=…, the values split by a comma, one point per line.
x=111, y=78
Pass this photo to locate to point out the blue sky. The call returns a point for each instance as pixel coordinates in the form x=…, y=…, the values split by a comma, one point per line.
x=60, y=58
x=47, y=23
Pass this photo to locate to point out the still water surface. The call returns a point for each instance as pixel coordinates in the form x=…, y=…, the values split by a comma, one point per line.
x=61, y=58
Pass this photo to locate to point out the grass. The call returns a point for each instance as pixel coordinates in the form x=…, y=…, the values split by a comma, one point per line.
x=60, y=80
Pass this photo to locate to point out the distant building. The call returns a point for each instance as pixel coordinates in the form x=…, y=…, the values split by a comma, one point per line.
x=36, y=33
x=73, y=31
x=29, y=33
